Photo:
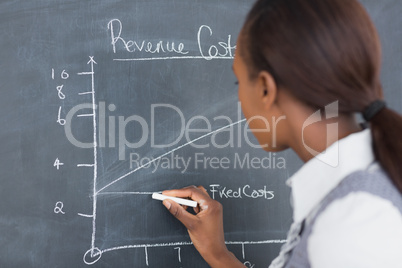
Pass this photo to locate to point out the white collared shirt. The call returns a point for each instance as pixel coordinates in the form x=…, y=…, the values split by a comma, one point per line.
x=358, y=230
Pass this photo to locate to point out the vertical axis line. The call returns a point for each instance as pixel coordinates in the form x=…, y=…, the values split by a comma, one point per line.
x=95, y=166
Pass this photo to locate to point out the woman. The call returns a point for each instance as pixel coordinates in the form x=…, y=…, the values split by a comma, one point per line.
x=295, y=57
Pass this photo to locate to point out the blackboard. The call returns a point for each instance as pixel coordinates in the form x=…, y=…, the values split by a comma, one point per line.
x=79, y=78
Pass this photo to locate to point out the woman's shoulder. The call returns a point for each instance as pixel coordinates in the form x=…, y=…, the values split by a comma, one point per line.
x=362, y=195
x=362, y=216
x=372, y=182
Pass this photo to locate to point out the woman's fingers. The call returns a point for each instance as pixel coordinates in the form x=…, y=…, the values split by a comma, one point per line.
x=202, y=188
x=188, y=219
x=197, y=209
x=198, y=194
x=195, y=193
x=206, y=227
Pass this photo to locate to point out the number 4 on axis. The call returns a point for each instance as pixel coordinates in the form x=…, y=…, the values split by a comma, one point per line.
x=57, y=163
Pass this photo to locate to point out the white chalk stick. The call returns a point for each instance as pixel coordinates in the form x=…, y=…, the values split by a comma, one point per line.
x=180, y=201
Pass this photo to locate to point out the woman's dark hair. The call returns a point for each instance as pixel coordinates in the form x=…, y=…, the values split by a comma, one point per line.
x=324, y=51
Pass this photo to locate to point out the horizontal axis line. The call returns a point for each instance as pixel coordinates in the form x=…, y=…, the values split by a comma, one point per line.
x=274, y=241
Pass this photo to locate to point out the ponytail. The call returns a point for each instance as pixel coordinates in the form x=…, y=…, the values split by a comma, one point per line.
x=386, y=131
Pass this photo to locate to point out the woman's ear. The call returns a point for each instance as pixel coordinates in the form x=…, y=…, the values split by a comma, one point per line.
x=267, y=89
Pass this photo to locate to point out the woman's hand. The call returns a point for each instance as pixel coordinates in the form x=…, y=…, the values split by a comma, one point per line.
x=205, y=228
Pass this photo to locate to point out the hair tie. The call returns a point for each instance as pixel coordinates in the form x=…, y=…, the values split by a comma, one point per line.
x=373, y=109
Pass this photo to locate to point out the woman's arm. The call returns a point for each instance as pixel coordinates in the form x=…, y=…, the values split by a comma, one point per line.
x=205, y=228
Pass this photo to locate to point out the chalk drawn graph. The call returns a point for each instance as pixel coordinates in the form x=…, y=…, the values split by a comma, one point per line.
x=93, y=254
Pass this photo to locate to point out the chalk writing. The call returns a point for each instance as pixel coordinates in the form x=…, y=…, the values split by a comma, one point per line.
x=178, y=253
x=240, y=192
x=249, y=264
x=60, y=93
x=57, y=163
x=59, y=208
x=115, y=26
x=222, y=50
x=215, y=51
x=93, y=254
x=59, y=119
x=64, y=75
x=146, y=256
